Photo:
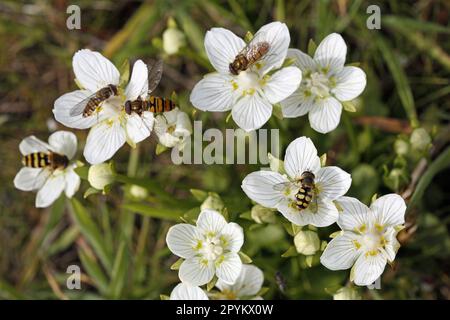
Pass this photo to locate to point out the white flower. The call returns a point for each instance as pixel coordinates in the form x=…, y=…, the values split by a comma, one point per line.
x=49, y=183
x=326, y=83
x=368, y=239
x=250, y=94
x=247, y=285
x=274, y=190
x=173, y=128
x=209, y=248
x=173, y=39
x=184, y=291
x=111, y=126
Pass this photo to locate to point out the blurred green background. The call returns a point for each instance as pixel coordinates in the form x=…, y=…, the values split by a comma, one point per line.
x=396, y=141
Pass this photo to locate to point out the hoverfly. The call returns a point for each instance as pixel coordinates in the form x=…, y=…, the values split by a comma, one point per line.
x=305, y=193
x=151, y=103
x=254, y=51
x=87, y=106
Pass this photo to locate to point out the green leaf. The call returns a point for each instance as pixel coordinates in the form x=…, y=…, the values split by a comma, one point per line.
x=248, y=37
x=309, y=260
x=211, y=284
x=311, y=47
x=90, y=191
x=353, y=64
x=245, y=258
x=323, y=160
x=66, y=239
x=124, y=72
x=94, y=270
x=164, y=297
x=228, y=118
x=154, y=212
x=91, y=232
x=247, y=215
x=348, y=106
x=119, y=272
x=291, y=252
x=198, y=194
x=160, y=149
x=177, y=264
x=278, y=111
x=82, y=172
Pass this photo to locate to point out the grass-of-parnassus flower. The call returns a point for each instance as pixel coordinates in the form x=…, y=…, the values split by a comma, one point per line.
x=184, y=291
x=246, y=286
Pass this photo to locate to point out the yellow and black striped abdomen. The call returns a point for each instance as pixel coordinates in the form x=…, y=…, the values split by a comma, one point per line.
x=159, y=105
x=36, y=160
x=303, y=197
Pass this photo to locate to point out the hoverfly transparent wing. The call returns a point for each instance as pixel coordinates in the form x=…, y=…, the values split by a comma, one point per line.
x=32, y=144
x=257, y=47
x=41, y=178
x=80, y=106
x=283, y=186
x=154, y=74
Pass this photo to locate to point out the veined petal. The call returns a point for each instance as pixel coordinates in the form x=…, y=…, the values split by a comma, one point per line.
x=139, y=128
x=234, y=236
x=301, y=156
x=103, y=141
x=182, y=239
x=72, y=182
x=211, y=221
x=196, y=271
x=221, y=47
x=50, y=191
x=183, y=126
x=30, y=179
x=32, y=144
x=331, y=52
x=249, y=282
x=392, y=245
x=297, y=104
x=277, y=35
x=301, y=60
x=368, y=268
x=93, y=71
x=341, y=252
x=162, y=131
x=282, y=84
x=184, y=291
x=64, y=104
x=259, y=186
x=350, y=83
x=355, y=214
x=389, y=210
x=229, y=268
x=138, y=84
x=325, y=115
x=251, y=112
x=63, y=142
x=214, y=92
x=325, y=213
x=333, y=182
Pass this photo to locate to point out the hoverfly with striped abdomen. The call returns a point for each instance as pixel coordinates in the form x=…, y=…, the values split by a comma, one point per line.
x=89, y=105
x=305, y=194
x=254, y=51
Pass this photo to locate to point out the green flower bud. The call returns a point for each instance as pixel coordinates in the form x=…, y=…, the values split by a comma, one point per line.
x=401, y=147
x=307, y=242
x=101, y=175
x=420, y=139
x=213, y=201
x=173, y=40
x=262, y=214
x=345, y=293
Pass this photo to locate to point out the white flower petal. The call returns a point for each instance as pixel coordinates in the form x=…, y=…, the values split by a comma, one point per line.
x=229, y=269
x=63, y=106
x=50, y=191
x=368, y=268
x=355, y=214
x=32, y=144
x=93, y=71
x=277, y=35
x=72, y=182
x=282, y=84
x=138, y=84
x=211, y=221
x=392, y=245
x=183, y=126
x=301, y=60
x=234, y=236
x=139, y=128
x=184, y=291
x=30, y=179
x=259, y=186
x=251, y=112
x=213, y=93
x=331, y=52
x=333, y=182
x=103, y=141
x=249, y=282
x=63, y=142
x=301, y=156
x=324, y=214
x=389, y=210
x=222, y=46
x=297, y=104
x=182, y=239
x=350, y=83
x=196, y=271
x=341, y=252
x=325, y=115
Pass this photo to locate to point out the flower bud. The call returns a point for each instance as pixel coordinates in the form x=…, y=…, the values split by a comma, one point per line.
x=307, y=242
x=262, y=214
x=420, y=139
x=401, y=147
x=173, y=40
x=101, y=175
x=138, y=192
x=345, y=293
x=213, y=201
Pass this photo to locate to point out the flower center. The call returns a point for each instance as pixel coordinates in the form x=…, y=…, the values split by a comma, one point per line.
x=318, y=84
x=212, y=249
x=171, y=129
x=372, y=240
x=247, y=82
